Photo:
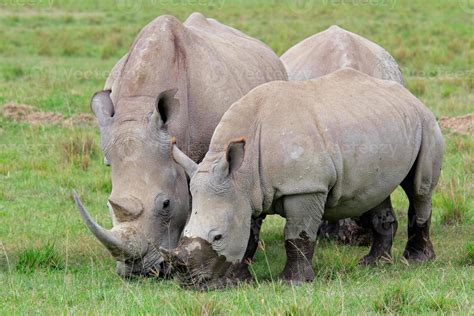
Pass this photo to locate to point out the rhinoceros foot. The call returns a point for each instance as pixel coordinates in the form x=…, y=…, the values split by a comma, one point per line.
x=298, y=268
x=415, y=254
x=370, y=260
x=241, y=273
x=346, y=231
x=419, y=247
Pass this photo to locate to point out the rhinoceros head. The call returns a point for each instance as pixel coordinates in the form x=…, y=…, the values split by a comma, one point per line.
x=216, y=236
x=149, y=202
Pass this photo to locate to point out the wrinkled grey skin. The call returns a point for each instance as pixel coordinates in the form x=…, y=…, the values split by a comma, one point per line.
x=308, y=152
x=326, y=52
x=173, y=86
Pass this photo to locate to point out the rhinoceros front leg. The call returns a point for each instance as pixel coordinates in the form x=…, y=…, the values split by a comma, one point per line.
x=383, y=223
x=241, y=271
x=303, y=216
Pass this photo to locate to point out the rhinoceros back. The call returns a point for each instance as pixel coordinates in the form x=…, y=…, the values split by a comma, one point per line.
x=336, y=48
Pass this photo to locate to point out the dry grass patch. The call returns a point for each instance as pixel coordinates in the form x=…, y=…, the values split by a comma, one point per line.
x=463, y=125
x=31, y=115
x=80, y=150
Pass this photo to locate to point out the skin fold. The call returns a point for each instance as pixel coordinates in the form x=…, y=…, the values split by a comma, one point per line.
x=330, y=148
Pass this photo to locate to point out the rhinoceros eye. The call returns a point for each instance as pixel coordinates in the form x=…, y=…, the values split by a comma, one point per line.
x=163, y=205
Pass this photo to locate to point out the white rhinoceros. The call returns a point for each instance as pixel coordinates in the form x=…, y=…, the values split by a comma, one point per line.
x=334, y=49
x=326, y=52
x=173, y=85
x=328, y=148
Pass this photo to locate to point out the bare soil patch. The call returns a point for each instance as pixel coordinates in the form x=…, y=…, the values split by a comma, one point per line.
x=80, y=119
x=463, y=125
x=31, y=115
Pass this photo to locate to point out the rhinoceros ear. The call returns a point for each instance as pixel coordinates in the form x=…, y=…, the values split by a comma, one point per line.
x=167, y=107
x=234, y=157
x=102, y=106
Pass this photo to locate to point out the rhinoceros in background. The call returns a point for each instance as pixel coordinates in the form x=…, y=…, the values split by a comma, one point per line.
x=328, y=148
x=326, y=52
x=173, y=86
x=334, y=49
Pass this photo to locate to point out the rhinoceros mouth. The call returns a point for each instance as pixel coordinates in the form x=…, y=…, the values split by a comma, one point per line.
x=201, y=279
x=151, y=265
x=198, y=266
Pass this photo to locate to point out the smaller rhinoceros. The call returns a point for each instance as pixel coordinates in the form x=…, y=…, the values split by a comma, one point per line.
x=328, y=148
x=326, y=52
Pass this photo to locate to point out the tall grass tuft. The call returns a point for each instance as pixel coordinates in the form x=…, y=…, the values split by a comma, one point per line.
x=204, y=306
x=43, y=258
x=417, y=86
x=79, y=150
x=470, y=252
x=454, y=201
x=393, y=300
x=12, y=72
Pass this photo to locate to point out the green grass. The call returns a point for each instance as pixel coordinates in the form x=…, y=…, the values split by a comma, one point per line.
x=55, y=54
x=36, y=259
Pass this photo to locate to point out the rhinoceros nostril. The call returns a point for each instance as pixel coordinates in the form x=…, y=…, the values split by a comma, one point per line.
x=126, y=208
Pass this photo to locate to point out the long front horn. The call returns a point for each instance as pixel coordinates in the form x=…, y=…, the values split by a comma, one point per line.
x=184, y=161
x=114, y=245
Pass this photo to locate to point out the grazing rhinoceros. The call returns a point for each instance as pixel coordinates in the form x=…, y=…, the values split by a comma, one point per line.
x=328, y=148
x=323, y=53
x=176, y=82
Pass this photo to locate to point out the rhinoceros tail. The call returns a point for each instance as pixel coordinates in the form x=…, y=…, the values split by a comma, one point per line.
x=424, y=175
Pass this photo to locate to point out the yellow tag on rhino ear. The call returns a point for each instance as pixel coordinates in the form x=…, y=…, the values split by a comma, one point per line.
x=238, y=140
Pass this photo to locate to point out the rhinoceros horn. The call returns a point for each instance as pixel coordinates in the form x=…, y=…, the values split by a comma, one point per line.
x=184, y=161
x=107, y=238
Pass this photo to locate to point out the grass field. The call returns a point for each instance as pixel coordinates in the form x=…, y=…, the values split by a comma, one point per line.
x=55, y=54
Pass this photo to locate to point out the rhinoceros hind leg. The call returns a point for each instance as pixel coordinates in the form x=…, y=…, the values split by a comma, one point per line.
x=419, y=247
x=383, y=224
